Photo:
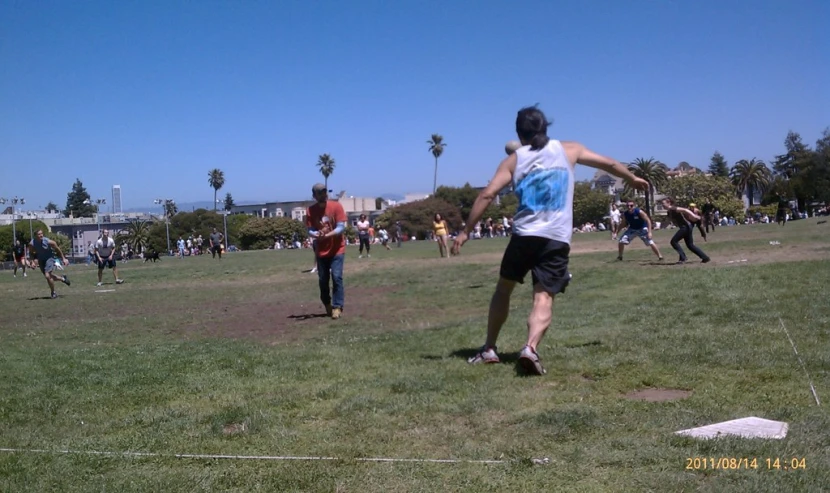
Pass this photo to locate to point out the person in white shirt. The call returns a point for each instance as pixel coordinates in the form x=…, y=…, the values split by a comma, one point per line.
x=104, y=254
x=542, y=173
x=614, y=215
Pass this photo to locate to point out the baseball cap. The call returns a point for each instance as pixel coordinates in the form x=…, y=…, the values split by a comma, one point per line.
x=319, y=187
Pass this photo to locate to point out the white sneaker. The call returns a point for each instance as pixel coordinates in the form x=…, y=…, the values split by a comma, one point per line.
x=25, y=275
x=119, y=281
x=15, y=275
x=368, y=256
x=99, y=284
x=314, y=270
x=360, y=256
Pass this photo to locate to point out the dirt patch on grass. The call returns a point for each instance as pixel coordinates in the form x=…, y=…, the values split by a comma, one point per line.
x=658, y=395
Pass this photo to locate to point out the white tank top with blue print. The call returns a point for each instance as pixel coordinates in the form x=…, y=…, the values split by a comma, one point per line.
x=544, y=184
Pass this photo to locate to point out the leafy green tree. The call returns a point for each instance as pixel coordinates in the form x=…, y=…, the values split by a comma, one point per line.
x=325, y=163
x=259, y=233
x=170, y=208
x=795, y=165
x=436, y=147
x=461, y=197
x=51, y=207
x=417, y=217
x=75, y=201
x=229, y=201
x=820, y=171
x=700, y=188
x=718, y=165
x=216, y=179
x=750, y=175
x=198, y=222
x=590, y=205
x=652, y=171
x=136, y=234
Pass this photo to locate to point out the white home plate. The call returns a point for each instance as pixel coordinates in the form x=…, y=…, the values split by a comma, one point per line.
x=750, y=427
x=104, y=290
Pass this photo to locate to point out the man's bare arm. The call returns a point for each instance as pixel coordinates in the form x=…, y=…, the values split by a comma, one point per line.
x=502, y=178
x=582, y=155
x=647, y=220
x=58, y=249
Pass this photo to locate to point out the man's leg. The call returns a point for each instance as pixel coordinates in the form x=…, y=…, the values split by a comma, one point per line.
x=15, y=267
x=675, y=243
x=499, y=310
x=690, y=243
x=100, y=273
x=655, y=250
x=338, y=288
x=540, y=316
x=50, y=281
x=323, y=274
x=621, y=247
x=115, y=273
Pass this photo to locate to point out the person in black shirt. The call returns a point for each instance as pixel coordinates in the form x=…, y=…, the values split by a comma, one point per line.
x=708, y=215
x=781, y=214
x=699, y=223
x=684, y=219
x=43, y=250
x=19, y=254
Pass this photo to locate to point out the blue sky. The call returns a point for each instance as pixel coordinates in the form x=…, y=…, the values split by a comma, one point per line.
x=152, y=94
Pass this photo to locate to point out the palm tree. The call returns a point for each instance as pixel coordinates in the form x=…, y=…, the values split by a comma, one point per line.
x=137, y=235
x=325, y=164
x=750, y=175
x=652, y=171
x=216, y=179
x=436, y=147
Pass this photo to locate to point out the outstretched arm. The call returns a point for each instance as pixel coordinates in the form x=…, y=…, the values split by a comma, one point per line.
x=578, y=153
x=502, y=178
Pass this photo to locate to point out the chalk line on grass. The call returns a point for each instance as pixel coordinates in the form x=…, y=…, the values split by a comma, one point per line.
x=541, y=461
x=803, y=366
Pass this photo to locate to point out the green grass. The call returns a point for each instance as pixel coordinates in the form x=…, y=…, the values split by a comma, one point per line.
x=206, y=357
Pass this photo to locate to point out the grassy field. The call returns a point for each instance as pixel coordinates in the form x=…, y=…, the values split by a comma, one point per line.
x=233, y=357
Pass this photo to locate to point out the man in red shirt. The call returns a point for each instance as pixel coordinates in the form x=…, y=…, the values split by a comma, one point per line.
x=326, y=221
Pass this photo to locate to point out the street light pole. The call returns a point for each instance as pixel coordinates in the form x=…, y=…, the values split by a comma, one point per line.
x=225, y=222
x=31, y=216
x=14, y=202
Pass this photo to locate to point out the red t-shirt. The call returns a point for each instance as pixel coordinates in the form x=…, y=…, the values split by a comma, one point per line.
x=325, y=221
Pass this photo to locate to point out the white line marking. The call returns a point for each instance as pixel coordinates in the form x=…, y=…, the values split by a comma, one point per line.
x=541, y=461
x=104, y=290
x=803, y=367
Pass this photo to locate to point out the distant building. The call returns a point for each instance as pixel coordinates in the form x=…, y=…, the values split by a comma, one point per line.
x=116, y=199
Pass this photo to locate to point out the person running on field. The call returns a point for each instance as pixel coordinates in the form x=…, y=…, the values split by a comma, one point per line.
x=384, y=238
x=614, y=215
x=326, y=220
x=43, y=250
x=216, y=243
x=363, y=235
x=708, y=215
x=636, y=224
x=542, y=174
x=684, y=219
x=441, y=232
x=105, y=255
x=19, y=256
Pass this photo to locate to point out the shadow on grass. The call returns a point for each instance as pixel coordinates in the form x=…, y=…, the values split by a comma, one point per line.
x=307, y=316
x=475, y=286
x=36, y=298
x=583, y=344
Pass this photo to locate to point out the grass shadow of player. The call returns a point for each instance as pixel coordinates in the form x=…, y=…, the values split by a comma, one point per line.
x=307, y=316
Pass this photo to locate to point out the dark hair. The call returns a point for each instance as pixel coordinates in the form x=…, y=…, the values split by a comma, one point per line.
x=362, y=216
x=671, y=200
x=532, y=126
x=437, y=215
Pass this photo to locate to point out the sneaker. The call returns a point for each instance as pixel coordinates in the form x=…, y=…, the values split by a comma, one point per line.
x=24, y=275
x=368, y=256
x=54, y=295
x=335, y=313
x=15, y=276
x=706, y=260
x=314, y=270
x=99, y=284
x=660, y=258
x=119, y=281
x=485, y=355
x=529, y=361
x=66, y=280
x=328, y=310
x=619, y=258
x=360, y=256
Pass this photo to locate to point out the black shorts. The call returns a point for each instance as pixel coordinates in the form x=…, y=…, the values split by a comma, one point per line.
x=106, y=262
x=546, y=259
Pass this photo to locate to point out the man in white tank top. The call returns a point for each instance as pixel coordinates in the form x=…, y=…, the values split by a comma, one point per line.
x=542, y=173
